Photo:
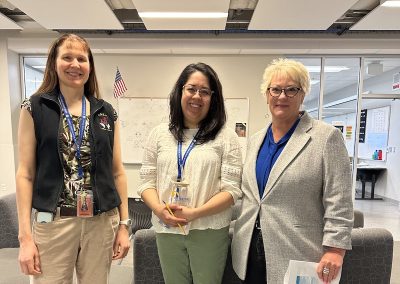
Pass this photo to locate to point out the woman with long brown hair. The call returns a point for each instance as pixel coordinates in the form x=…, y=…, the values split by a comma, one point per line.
x=70, y=172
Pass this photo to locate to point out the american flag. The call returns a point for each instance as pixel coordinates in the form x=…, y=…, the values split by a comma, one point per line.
x=119, y=85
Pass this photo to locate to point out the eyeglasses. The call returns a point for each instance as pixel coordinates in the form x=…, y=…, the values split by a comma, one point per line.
x=192, y=90
x=289, y=92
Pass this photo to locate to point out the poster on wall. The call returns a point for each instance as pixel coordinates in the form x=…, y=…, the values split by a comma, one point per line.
x=240, y=129
x=363, y=125
x=376, y=134
x=396, y=81
x=339, y=125
x=349, y=132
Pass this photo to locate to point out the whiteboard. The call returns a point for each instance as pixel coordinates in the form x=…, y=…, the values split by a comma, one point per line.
x=377, y=133
x=138, y=116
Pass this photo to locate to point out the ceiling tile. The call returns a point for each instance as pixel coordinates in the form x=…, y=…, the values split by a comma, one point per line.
x=7, y=24
x=381, y=18
x=71, y=14
x=293, y=15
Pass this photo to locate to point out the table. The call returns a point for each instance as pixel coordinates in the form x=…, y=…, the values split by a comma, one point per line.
x=368, y=174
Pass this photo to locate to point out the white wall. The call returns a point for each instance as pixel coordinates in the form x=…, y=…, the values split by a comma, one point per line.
x=8, y=68
x=154, y=76
x=14, y=79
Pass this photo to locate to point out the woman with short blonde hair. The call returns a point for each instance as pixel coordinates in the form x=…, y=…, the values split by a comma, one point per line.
x=296, y=183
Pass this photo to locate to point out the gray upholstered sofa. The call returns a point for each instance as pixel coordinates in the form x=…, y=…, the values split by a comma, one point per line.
x=370, y=260
x=9, y=269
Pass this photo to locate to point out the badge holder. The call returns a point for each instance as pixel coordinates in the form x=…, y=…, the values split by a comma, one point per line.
x=84, y=203
x=180, y=194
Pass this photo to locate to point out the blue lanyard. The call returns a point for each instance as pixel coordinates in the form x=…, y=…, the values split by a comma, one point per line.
x=77, y=143
x=182, y=161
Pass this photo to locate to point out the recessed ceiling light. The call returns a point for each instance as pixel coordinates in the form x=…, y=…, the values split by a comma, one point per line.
x=330, y=69
x=184, y=15
x=390, y=3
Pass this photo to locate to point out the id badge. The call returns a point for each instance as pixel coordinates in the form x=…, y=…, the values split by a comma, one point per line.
x=179, y=192
x=84, y=203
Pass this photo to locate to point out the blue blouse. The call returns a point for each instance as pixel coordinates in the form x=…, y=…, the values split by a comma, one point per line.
x=268, y=154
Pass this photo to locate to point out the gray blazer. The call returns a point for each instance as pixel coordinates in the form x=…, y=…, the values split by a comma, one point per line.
x=307, y=202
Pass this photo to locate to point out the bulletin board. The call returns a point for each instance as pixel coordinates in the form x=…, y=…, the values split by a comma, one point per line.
x=376, y=133
x=138, y=116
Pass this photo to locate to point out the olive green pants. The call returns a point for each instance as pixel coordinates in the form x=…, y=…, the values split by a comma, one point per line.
x=197, y=258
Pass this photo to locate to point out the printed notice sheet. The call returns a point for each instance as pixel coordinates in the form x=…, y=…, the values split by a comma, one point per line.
x=302, y=272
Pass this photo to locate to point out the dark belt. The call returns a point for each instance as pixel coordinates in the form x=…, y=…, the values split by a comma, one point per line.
x=67, y=211
x=257, y=224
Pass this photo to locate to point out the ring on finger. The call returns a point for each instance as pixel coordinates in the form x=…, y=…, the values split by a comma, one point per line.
x=325, y=270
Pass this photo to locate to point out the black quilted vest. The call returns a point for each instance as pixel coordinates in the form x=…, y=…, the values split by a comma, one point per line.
x=49, y=183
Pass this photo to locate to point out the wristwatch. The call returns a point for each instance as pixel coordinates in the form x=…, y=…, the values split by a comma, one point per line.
x=127, y=222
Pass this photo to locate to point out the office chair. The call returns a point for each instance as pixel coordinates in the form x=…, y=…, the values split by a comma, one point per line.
x=140, y=214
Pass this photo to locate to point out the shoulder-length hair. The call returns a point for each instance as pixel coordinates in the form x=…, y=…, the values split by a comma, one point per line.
x=216, y=116
x=50, y=80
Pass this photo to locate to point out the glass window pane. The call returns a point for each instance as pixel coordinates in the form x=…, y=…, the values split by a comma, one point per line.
x=379, y=143
x=341, y=76
x=381, y=76
x=311, y=101
x=33, y=73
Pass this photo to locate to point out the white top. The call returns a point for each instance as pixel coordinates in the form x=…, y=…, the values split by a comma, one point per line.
x=210, y=168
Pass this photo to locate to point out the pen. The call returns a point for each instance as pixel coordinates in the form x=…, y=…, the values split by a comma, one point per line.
x=172, y=213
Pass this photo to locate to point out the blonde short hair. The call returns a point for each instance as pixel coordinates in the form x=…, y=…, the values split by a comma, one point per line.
x=287, y=68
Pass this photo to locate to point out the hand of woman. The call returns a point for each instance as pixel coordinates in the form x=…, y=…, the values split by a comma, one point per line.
x=330, y=264
x=187, y=213
x=121, y=243
x=29, y=258
x=169, y=219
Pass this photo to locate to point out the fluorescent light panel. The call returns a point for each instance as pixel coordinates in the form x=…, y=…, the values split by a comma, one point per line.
x=329, y=69
x=184, y=15
x=390, y=3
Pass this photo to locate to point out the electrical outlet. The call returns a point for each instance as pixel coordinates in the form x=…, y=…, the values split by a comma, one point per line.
x=3, y=187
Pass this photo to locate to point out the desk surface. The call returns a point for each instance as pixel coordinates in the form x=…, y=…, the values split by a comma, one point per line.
x=370, y=167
